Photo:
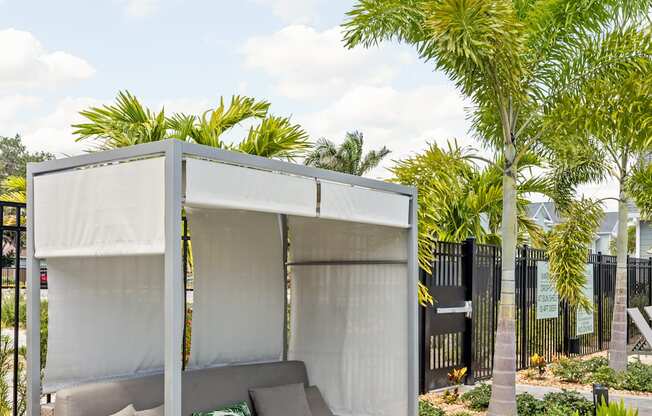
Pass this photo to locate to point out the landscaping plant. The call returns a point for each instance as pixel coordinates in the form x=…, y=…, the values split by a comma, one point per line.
x=455, y=378
x=538, y=362
x=614, y=409
x=477, y=398
x=428, y=409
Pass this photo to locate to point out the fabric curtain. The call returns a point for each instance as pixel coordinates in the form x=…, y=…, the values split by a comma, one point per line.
x=105, y=319
x=349, y=322
x=101, y=211
x=218, y=185
x=352, y=203
x=239, y=287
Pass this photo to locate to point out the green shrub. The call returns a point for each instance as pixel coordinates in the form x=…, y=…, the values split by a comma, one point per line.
x=615, y=409
x=569, y=370
x=638, y=377
x=528, y=405
x=8, y=313
x=605, y=376
x=461, y=414
x=594, y=364
x=566, y=402
x=478, y=398
x=428, y=409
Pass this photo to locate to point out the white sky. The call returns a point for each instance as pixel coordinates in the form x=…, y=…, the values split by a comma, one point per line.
x=57, y=58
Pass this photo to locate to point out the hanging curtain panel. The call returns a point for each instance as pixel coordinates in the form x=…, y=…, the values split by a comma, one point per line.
x=218, y=185
x=239, y=288
x=101, y=211
x=351, y=203
x=349, y=322
x=105, y=319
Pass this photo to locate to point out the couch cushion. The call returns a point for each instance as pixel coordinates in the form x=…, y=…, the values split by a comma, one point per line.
x=203, y=390
x=287, y=400
x=318, y=406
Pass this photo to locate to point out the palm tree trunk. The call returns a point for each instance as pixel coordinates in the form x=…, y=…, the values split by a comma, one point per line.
x=618, y=344
x=503, y=394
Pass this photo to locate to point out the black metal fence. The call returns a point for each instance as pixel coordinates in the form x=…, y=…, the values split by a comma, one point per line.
x=446, y=344
x=12, y=307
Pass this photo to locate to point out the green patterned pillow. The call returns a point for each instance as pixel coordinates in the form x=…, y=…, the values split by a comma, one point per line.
x=237, y=409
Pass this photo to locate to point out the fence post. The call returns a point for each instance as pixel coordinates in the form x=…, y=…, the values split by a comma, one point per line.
x=649, y=280
x=468, y=266
x=598, y=267
x=629, y=295
x=523, y=280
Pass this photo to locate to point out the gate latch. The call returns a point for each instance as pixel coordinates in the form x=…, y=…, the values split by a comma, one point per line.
x=466, y=309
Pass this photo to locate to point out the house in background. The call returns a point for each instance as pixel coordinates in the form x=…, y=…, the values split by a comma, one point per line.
x=643, y=234
x=546, y=216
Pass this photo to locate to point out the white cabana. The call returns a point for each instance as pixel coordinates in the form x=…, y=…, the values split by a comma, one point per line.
x=109, y=226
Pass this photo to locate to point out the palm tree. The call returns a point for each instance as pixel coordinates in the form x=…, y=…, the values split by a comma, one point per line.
x=514, y=60
x=128, y=122
x=459, y=198
x=617, y=114
x=347, y=158
x=14, y=189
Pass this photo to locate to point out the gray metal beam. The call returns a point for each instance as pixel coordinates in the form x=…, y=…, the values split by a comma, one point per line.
x=140, y=150
x=413, y=310
x=258, y=162
x=174, y=290
x=33, y=309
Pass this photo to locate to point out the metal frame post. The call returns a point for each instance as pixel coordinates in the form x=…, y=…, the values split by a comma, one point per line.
x=33, y=309
x=597, y=278
x=413, y=309
x=468, y=269
x=174, y=290
x=524, y=307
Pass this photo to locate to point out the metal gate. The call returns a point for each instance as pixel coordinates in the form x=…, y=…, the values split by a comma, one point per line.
x=446, y=330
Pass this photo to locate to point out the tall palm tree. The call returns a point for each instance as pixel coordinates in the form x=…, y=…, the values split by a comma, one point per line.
x=128, y=122
x=514, y=60
x=459, y=198
x=347, y=158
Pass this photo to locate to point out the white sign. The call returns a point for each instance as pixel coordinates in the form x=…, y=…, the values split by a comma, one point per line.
x=547, y=297
x=584, y=320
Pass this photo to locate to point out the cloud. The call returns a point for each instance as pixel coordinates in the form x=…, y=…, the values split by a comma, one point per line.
x=140, y=8
x=307, y=64
x=14, y=106
x=292, y=11
x=24, y=63
x=402, y=120
x=52, y=132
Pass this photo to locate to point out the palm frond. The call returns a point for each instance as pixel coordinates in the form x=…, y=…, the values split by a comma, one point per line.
x=275, y=137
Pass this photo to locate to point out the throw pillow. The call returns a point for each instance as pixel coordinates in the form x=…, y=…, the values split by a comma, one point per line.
x=288, y=400
x=237, y=409
x=157, y=411
x=127, y=411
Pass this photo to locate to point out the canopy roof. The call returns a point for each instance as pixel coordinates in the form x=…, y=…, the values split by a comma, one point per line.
x=108, y=224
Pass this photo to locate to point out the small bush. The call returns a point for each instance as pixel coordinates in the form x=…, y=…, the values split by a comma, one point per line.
x=569, y=370
x=594, y=364
x=566, y=402
x=428, y=409
x=528, y=405
x=638, y=377
x=605, y=376
x=478, y=398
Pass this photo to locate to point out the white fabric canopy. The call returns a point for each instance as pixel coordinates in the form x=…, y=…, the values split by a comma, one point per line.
x=101, y=211
x=349, y=322
x=350, y=203
x=105, y=319
x=211, y=184
x=239, y=288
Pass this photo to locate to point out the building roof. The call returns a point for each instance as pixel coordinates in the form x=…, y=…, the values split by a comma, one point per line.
x=609, y=222
x=608, y=225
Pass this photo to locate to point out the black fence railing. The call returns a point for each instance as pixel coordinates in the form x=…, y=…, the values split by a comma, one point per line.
x=447, y=344
x=12, y=360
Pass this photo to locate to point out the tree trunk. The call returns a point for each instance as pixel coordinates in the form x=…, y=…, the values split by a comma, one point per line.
x=503, y=394
x=618, y=344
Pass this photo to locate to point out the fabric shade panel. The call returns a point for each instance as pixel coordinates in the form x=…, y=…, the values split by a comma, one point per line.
x=105, y=319
x=239, y=287
x=349, y=322
x=218, y=185
x=109, y=210
x=351, y=203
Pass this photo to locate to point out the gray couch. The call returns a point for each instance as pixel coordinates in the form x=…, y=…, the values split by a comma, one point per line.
x=203, y=390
